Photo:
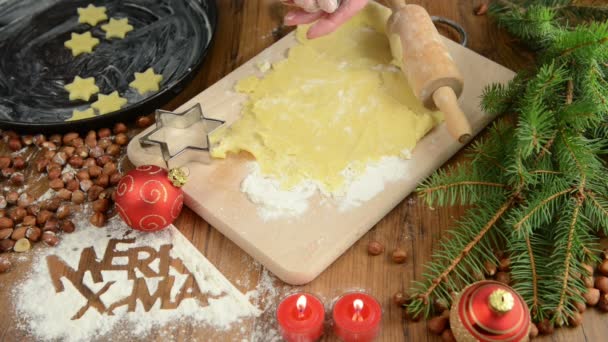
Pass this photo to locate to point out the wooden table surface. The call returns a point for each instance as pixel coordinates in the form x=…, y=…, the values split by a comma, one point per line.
x=245, y=29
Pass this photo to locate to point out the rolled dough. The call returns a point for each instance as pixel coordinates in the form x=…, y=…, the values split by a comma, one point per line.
x=334, y=105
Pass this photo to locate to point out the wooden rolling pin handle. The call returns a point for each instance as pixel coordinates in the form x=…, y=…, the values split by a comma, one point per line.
x=396, y=5
x=458, y=124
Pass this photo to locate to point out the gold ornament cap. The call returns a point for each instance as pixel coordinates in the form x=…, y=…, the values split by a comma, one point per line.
x=501, y=301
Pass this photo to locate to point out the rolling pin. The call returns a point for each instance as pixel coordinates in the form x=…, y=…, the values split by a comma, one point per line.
x=428, y=66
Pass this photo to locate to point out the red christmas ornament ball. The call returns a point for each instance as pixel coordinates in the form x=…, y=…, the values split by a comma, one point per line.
x=147, y=200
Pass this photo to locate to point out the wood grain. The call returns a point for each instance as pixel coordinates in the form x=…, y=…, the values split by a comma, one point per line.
x=246, y=28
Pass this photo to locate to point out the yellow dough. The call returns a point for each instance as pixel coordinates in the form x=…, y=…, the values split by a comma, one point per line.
x=146, y=81
x=109, y=103
x=334, y=105
x=81, y=43
x=82, y=88
x=117, y=28
x=82, y=114
x=92, y=15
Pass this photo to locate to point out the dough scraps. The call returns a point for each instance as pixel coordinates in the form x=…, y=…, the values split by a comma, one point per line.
x=92, y=15
x=117, y=28
x=81, y=43
x=333, y=106
x=109, y=103
x=146, y=81
x=82, y=88
x=82, y=114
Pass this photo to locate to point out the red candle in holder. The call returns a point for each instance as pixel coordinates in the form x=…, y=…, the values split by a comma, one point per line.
x=301, y=318
x=357, y=317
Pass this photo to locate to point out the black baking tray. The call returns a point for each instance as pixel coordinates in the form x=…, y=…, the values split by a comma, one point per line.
x=172, y=36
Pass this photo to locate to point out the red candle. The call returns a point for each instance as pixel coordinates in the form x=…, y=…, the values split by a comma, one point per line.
x=301, y=318
x=357, y=317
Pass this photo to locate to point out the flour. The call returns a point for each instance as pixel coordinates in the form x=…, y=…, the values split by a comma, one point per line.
x=47, y=314
x=273, y=202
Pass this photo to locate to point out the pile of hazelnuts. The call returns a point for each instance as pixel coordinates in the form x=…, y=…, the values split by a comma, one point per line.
x=80, y=171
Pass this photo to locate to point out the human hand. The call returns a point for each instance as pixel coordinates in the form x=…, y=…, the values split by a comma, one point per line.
x=328, y=14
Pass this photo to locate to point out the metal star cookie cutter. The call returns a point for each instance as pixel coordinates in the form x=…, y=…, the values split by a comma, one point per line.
x=182, y=137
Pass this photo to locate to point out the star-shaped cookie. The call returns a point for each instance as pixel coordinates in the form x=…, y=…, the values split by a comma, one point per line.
x=92, y=15
x=82, y=114
x=82, y=88
x=109, y=103
x=117, y=28
x=81, y=43
x=146, y=81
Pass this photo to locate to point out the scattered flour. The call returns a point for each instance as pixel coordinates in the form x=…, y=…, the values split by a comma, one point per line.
x=51, y=318
x=273, y=202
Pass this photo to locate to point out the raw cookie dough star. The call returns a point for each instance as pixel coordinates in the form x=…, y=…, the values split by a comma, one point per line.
x=81, y=43
x=92, y=15
x=146, y=81
x=117, y=28
x=82, y=88
x=109, y=103
x=82, y=114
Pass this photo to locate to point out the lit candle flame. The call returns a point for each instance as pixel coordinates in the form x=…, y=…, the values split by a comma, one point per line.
x=301, y=305
x=358, y=305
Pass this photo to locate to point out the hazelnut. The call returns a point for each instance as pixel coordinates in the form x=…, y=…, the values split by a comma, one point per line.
x=18, y=233
x=56, y=184
x=29, y=220
x=64, y=194
x=78, y=197
x=49, y=154
x=94, y=192
x=580, y=306
x=545, y=327
x=51, y=225
x=68, y=150
x=576, y=319
x=107, y=194
x=5, y=265
x=17, y=214
x=6, y=245
x=589, y=281
x=60, y=158
x=95, y=171
x=78, y=142
x=592, y=296
x=76, y=161
x=43, y=217
x=121, y=139
x=113, y=150
x=25, y=199
x=438, y=324
x=33, y=209
x=90, y=162
x=98, y=219
x=63, y=211
x=104, y=133
x=101, y=205
x=96, y=151
x=72, y=185
x=588, y=270
x=400, y=299
x=115, y=178
x=6, y=233
x=67, y=226
x=86, y=184
x=15, y=144
x=120, y=127
x=22, y=245
x=6, y=222
x=448, y=336
x=490, y=268
x=51, y=204
x=83, y=174
x=69, y=137
x=103, y=181
x=109, y=168
x=482, y=9
x=56, y=139
x=7, y=172
x=103, y=160
x=375, y=248
x=82, y=152
x=503, y=277
x=41, y=164
x=601, y=283
x=54, y=173
x=602, y=304
x=19, y=163
x=39, y=139
x=603, y=267
x=399, y=256
x=504, y=264
x=17, y=178
x=50, y=238
x=5, y=162
x=12, y=197
x=143, y=122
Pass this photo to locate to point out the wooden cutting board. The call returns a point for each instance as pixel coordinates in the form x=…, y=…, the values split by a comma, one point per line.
x=298, y=249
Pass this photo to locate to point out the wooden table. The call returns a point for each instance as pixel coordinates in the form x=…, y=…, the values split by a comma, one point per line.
x=245, y=29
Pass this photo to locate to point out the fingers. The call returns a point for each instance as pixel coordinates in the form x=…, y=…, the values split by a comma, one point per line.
x=328, y=6
x=331, y=22
x=300, y=17
x=307, y=5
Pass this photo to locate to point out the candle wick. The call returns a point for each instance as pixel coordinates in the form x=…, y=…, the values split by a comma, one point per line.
x=358, y=305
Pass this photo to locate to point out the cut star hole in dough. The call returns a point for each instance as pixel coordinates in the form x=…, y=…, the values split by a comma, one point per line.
x=117, y=28
x=82, y=114
x=81, y=43
x=109, y=103
x=146, y=81
x=82, y=88
x=92, y=15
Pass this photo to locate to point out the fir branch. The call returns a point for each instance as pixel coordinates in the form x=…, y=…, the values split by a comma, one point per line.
x=541, y=209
